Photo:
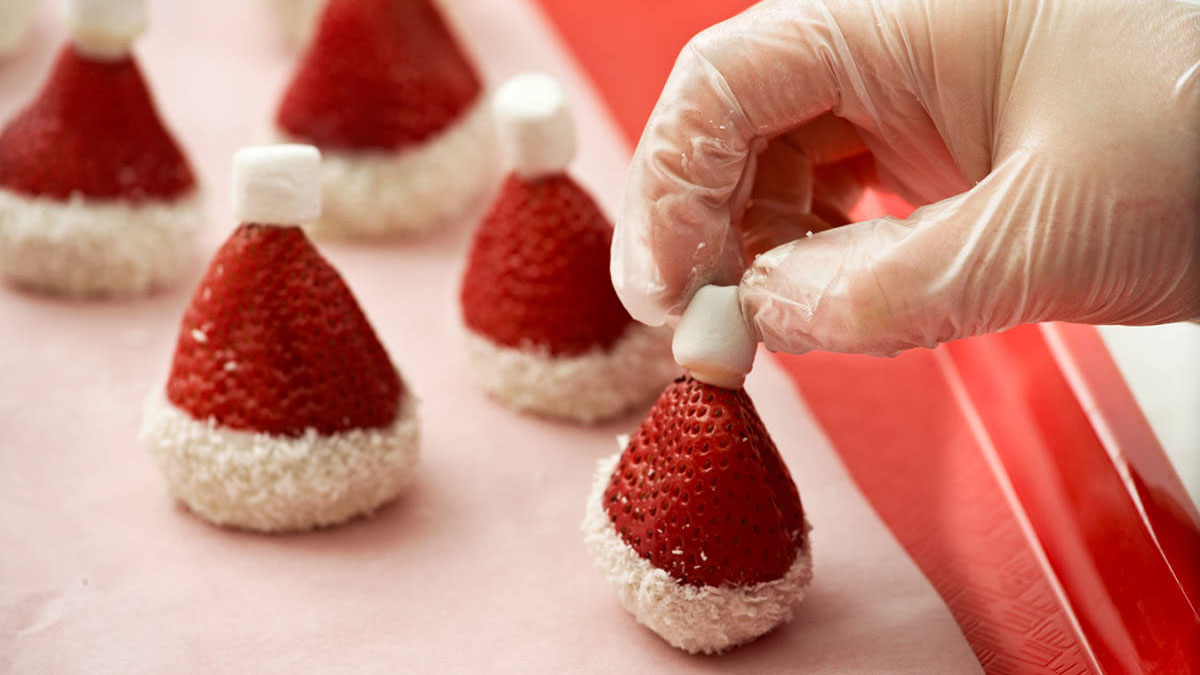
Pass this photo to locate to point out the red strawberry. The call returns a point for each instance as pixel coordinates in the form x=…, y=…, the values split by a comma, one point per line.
x=701, y=491
x=274, y=342
x=537, y=273
x=93, y=129
x=378, y=74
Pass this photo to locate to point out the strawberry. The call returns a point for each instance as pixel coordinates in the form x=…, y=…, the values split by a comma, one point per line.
x=702, y=493
x=92, y=130
x=537, y=274
x=274, y=342
x=378, y=74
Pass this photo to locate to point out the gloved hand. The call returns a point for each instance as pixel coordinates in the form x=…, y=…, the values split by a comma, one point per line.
x=1055, y=146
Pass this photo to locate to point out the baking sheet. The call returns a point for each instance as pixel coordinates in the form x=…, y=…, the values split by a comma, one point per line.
x=480, y=567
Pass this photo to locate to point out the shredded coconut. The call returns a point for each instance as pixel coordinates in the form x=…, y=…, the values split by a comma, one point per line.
x=84, y=247
x=592, y=387
x=706, y=619
x=277, y=483
x=372, y=193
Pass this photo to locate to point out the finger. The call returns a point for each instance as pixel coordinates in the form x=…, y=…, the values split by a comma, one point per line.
x=795, y=196
x=779, y=207
x=952, y=269
x=791, y=199
x=827, y=139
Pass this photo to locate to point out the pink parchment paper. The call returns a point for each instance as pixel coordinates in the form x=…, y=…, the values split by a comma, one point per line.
x=480, y=568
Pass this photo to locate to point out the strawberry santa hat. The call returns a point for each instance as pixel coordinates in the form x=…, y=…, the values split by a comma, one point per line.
x=282, y=410
x=96, y=197
x=545, y=330
x=697, y=524
x=399, y=114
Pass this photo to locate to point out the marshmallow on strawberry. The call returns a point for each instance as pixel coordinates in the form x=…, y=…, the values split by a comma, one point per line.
x=545, y=330
x=16, y=16
x=399, y=114
x=282, y=410
x=297, y=18
x=96, y=197
x=697, y=524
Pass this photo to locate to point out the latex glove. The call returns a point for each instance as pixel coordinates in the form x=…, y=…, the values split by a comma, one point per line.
x=1056, y=145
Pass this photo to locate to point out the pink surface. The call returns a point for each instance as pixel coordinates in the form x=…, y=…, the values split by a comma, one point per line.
x=480, y=567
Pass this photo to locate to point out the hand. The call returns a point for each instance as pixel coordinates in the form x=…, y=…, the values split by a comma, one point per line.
x=1054, y=146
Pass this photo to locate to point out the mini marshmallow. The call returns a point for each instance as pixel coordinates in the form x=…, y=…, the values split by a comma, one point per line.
x=15, y=19
x=712, y=340
x=536, y=129
x=104, y=29
x=277, y=184
x=297, y=19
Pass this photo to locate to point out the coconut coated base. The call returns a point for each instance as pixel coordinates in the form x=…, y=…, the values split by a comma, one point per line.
x=85, y=247
x=588, y=388
x=276, y=483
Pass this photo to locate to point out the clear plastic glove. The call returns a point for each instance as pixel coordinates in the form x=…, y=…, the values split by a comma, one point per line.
x=1055, y=147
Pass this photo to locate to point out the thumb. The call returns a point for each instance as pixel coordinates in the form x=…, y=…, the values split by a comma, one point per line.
x=885, y=285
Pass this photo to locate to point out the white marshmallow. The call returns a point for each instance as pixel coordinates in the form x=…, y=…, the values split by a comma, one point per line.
x=104, y=29
x=712, y=340
x=297, y=19
x=15, y=19
x=536, y=129
x=277, y=184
